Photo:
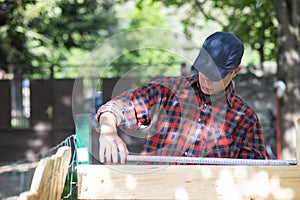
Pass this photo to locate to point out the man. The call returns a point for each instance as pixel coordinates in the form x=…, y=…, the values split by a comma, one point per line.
x=199, y=115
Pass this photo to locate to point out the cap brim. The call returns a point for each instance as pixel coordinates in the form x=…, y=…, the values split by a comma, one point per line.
x=205, y=64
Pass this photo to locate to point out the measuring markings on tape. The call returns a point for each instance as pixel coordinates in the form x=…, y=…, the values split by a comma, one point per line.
x=208, y=161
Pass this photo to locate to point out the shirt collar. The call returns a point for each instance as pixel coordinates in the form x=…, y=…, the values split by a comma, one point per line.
x=194, y=82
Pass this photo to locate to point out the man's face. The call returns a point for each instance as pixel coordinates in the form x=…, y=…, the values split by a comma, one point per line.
x=211, y=87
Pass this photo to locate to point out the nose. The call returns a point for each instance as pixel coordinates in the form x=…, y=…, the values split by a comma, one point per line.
x=208, y=81
x=205, y=79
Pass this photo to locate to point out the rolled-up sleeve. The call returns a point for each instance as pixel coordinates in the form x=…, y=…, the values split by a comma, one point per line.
x=131, y=108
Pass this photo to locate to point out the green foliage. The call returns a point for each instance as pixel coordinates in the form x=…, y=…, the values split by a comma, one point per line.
x=145, y=63
x=13, y=49
x=37, y=34
x=146, y=14
x=148, y=61
x=253, y=22
x=62, y=33
x=42, y=33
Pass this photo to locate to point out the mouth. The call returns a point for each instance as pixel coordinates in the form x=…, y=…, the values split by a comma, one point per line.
x=205, y=89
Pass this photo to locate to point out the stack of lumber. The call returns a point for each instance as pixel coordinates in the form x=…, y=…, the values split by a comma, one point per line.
x=49, y=176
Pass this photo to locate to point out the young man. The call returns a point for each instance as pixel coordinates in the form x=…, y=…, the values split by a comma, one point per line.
x=200, y=115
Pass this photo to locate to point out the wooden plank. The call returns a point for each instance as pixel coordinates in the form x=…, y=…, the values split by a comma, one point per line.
x=64, y=155
x=54, y=174
x=23, y=167
x=27, y=195
x=59, y=168
x=39, y=175
x=297, y=125
x=49, y=176
x=42, y=188
x=188, y=182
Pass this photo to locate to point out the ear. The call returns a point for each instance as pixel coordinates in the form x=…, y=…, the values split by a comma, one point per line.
x=236, y=71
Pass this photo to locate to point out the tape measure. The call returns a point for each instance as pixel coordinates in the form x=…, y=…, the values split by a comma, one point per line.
x=208, y=161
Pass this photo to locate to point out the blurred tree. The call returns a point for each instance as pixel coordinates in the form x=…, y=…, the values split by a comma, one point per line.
x=288, y=60
x=38, y=33
x=252, y=21
x=147, y=61
x=13, y=48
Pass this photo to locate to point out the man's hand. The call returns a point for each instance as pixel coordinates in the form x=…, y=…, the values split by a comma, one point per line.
x=111, y=145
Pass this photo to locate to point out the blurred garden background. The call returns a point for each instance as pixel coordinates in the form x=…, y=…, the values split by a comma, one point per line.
x=45, y=43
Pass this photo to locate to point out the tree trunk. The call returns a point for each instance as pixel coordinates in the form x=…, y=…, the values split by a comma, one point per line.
x=288, y=61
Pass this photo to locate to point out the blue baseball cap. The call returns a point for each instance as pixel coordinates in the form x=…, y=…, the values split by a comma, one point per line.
x=220, y=53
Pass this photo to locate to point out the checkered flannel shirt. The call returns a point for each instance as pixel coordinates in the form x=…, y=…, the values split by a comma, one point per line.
x=180, y=120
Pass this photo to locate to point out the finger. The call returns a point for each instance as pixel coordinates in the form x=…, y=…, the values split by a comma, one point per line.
x=114, y=154
x=123, y=152
x=108, y=154
x=101, y=151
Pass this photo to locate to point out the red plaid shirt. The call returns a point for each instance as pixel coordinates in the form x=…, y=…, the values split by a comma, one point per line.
x=177, y=119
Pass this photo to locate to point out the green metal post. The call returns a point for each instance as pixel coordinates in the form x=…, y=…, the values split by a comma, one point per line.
x=83, y=136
